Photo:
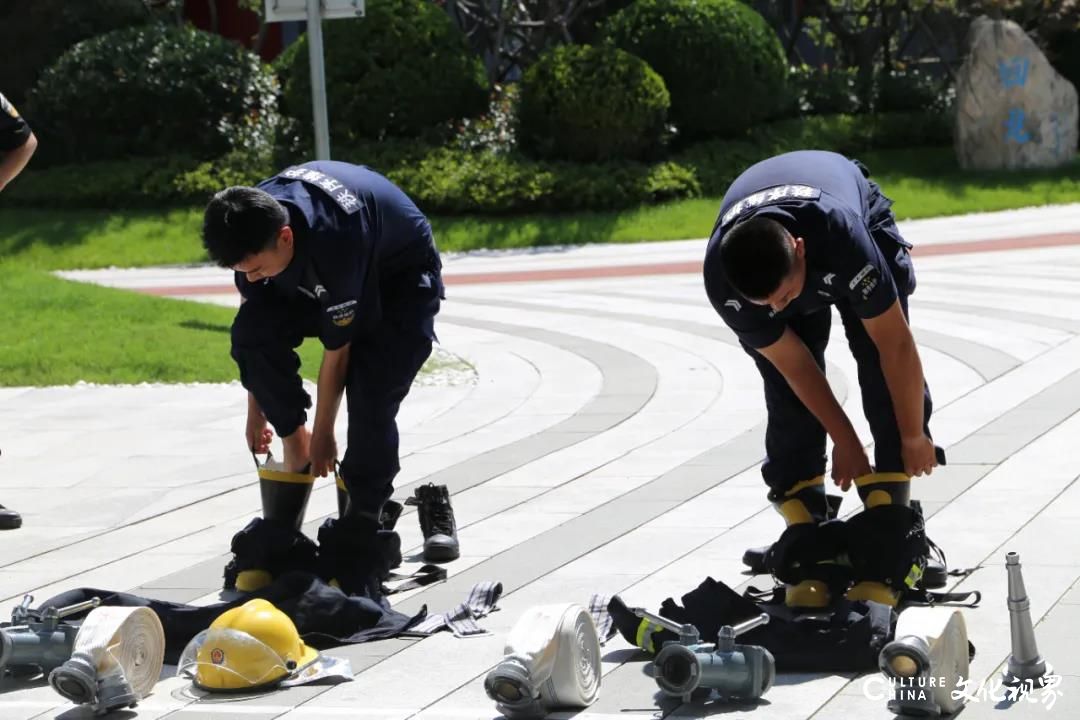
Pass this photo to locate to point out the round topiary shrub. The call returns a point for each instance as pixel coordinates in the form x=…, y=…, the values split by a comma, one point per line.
x=720, y=60
x=580, y=102
x=34, y=33
x=402, y=69
x=154, y=90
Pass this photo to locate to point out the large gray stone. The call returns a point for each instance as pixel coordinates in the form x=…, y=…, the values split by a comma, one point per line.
x=1013, y=109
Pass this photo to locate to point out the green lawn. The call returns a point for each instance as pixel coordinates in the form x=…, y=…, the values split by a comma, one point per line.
x=59, y=332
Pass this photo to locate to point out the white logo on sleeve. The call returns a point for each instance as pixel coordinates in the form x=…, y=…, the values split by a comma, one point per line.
x=865, y=280
x=828, y=278
x=734, y=304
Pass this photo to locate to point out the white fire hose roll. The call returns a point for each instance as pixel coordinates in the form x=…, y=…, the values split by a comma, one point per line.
x=113, y=644
x=552, y=661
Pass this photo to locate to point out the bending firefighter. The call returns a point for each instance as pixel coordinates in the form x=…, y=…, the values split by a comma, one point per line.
x=796, y=234
x=334, y=251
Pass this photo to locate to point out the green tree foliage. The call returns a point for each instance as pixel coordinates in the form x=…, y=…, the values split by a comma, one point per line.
x=400, y=71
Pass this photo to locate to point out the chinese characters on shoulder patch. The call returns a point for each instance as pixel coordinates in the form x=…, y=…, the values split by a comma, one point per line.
x=768, y=196
x=345, y=199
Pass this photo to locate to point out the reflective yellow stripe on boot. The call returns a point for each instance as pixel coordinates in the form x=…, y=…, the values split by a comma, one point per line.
x=252, y=580
x=808, y=593
x=876, y=490
x=644, y=636
x=889, y=488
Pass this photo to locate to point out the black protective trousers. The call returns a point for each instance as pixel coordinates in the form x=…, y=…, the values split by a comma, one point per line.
x=382, y=365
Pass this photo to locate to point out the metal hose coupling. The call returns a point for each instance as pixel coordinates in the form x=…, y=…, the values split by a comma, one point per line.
x=116, y=660
x=734, y=672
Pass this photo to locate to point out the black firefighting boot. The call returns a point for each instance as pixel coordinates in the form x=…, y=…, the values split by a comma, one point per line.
x=887, y=543
x=808, y=556
x=437, y=522
x=357, y=551
x=274, y=544
x=9, y=519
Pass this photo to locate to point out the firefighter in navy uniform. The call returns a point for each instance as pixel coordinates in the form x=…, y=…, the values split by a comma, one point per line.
x=334, y=251
x=797, y=234
x=17, y=145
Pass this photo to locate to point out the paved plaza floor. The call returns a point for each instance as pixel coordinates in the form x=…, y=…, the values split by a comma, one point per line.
x=601, y=432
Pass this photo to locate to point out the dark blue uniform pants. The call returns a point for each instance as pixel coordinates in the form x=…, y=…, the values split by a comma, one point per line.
x=794, y=439
x=382, y=366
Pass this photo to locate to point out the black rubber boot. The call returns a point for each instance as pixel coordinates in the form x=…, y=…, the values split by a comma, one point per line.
x=436, y=522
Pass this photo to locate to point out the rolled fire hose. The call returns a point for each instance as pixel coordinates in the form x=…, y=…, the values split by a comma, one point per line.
x=552, y=662
x=926, y=661
x=116, y=659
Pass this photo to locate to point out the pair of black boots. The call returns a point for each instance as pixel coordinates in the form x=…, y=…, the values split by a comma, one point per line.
x=354, y=552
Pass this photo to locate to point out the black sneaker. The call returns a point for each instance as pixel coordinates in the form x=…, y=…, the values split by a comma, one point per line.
x=436, y=522
x=9, y=519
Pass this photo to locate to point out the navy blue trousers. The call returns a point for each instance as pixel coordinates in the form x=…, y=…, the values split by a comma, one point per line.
x=382, y=365
x=794, y=439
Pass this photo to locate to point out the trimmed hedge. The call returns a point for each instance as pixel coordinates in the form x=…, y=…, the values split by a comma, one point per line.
x=148, y=90
x=451, y=181
x=35, y=33
x=580, y=102
x=722, y=63
x=402, y=70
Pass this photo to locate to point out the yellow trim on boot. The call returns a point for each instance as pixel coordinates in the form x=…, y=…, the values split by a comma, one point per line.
x=286, y=477
x=252, y=580
x=643, y=638
x=807, y=594
x=885, y=477
x=794, y=512
x=877, y=497
x=802, y=485
x=340, y=482
x=873, y=591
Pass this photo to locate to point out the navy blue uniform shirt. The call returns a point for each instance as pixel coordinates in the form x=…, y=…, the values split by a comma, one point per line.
x=14, y=132
x=823, y=198
x=358, y=237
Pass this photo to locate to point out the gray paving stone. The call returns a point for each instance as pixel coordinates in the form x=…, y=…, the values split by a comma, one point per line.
x=522, y=564
x=223, y=714
x=1002, y=437
x=204, y=576
x=988, y=362
x=1072, y=597
x=1058, y=323
x=947, y=483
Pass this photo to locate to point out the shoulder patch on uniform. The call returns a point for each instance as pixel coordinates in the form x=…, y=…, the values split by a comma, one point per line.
x=733, y=304
x=342, y=314
x=769, y=196
x=866, y=280
x=337, y=191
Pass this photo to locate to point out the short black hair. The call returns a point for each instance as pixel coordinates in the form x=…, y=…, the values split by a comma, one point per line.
x=756, y=256
x=241, y=221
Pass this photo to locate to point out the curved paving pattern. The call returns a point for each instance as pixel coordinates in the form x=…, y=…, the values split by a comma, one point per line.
x=610, y=443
